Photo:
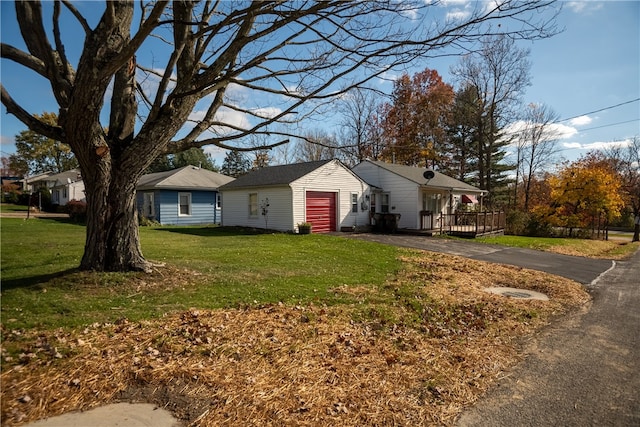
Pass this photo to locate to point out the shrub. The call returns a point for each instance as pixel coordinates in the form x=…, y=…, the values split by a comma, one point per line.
x=517, y=223
x=77, y=211
x=39, y=198
x=10, y=193
x=42, y=198
x=538, y=226
x=144, y=221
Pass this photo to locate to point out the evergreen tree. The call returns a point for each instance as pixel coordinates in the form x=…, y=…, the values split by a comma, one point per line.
x=194, y=156
x=235, y=164
x=463, y=137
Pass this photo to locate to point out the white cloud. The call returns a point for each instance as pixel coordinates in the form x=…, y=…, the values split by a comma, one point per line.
x=580, y=121
x=235, y=119
x=576, y=6
x=7, y=140
x=584, y=6
x=572, y=145
x=150, y=82
x=267, y=112
x=454, y=3
x=458, y=9
x=216, y=153
x=555, y=131
x=408, y=12
x=387, y=77
x=598, y=145
x=563, y=131
x=458, y=14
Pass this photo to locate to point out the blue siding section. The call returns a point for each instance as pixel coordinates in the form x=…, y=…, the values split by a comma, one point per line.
x=203, y=207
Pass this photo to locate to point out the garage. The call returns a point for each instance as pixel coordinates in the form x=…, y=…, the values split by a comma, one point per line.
x=321, y=211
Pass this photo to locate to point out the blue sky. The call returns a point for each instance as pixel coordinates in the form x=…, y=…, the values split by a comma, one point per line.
x=584, y=73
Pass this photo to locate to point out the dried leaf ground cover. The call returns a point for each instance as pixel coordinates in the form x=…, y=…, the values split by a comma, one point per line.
x=414, y=351
x=599, y=249
x=618, y=247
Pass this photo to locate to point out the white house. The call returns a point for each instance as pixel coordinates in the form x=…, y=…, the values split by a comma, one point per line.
x=324, y=193
x=418, y=197
x=64, y=186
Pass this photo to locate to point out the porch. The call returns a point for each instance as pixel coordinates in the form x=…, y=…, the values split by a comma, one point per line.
x=463, y=224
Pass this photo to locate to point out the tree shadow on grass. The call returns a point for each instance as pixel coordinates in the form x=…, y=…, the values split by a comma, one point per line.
x=218, y=231
x=33, y=281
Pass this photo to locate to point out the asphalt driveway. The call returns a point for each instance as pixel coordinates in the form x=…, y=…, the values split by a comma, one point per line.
x=584, y=370
x=582, y=270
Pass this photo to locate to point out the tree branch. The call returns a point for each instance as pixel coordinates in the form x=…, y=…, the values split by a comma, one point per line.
x=53, y=132
x=78, y=16
x=23, y=58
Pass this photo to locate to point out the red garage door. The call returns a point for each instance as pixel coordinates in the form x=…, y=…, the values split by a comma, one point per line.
x=321, y=211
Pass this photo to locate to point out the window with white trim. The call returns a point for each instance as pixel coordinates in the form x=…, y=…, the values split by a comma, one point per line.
x=184, y=204
x=253, y=204
x=384, y=203
x=354, y=202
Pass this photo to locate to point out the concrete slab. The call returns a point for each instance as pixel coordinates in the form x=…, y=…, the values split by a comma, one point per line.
x=517, y=293
x=115, y=415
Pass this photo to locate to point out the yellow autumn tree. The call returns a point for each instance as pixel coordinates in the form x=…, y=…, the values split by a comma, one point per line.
x=586, y=193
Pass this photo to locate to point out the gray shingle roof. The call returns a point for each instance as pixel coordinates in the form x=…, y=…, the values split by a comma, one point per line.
x=274, y=175
x=59, y=178
x=415, y=174
x=185, y=178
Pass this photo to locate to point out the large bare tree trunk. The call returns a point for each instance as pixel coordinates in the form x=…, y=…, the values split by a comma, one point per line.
x=112, y=240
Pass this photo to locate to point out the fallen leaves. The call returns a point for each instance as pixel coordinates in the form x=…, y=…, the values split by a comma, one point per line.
x=413, y=352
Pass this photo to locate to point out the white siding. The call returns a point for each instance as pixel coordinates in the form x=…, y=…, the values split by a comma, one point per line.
x=235, y=208
x=68, y=192
x=332, y=177
x=405, y=197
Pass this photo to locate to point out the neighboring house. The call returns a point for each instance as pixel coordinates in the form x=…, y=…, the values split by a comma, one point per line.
x=64, y=186
x=419, y=201
x=35, y=182
x=185, y=196
x=324, y=193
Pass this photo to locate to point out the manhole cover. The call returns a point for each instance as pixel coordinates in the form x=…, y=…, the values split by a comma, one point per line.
x=517, y=293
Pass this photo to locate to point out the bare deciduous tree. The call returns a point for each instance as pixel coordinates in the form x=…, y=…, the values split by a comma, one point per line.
x=536, y=145
x=359, y=128
x=316, y=145
x=498, y=74
x=625, y=160
x=179, y=74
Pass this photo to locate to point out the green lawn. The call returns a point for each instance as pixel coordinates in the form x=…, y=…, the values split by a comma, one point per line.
x=213, y=267
x=8, y=207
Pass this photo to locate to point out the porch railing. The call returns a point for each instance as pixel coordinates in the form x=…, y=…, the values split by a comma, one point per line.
x=464, y=223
